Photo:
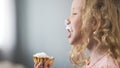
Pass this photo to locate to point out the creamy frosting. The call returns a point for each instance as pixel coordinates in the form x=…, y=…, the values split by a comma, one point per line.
x=42, y=54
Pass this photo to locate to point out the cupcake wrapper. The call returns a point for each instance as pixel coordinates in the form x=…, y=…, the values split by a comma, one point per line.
x=43, y=60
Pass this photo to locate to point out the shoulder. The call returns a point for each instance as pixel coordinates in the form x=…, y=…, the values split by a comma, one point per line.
x=109, y=62
x=106, y=62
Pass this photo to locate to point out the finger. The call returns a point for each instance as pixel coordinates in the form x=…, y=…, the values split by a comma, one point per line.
x=47, y=65
x=40, y=65
x=35, y=64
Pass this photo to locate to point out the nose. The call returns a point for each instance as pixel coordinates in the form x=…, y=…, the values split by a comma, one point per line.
x=67, y=21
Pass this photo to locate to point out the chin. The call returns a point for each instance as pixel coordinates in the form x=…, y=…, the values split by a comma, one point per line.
x=70, y=41
x=74, y=41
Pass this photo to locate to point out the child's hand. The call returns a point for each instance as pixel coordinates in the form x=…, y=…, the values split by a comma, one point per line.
x=42, y=65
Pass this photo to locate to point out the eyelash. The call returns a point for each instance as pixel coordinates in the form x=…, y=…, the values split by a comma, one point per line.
x=74, y=13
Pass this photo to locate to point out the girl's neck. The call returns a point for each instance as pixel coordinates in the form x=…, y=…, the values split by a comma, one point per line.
x=96, y=55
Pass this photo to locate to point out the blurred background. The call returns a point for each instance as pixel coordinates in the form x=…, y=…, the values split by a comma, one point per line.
x=31, y=26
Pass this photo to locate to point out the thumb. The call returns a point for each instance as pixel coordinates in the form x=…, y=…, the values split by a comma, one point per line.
x=47, y=64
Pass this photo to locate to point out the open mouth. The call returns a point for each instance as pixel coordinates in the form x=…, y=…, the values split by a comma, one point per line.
x=68, y=28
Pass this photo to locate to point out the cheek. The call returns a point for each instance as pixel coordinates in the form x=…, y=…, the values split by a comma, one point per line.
x=77, y=25
x=77, y=30
x=76, y=37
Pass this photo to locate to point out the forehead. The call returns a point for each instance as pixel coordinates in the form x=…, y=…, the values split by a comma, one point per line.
x=76, y=5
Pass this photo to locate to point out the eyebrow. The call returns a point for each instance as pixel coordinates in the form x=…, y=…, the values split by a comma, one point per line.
x=73, y=9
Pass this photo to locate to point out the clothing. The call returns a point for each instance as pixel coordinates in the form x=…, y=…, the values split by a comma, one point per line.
x=106, y=62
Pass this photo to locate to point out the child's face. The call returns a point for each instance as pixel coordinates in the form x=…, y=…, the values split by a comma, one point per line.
x=75, y=22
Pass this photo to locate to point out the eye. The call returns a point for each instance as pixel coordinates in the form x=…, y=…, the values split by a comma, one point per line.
x=74, y=13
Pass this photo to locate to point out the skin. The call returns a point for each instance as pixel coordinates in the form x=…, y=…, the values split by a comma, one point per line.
x=75, y=21
x=40, y=65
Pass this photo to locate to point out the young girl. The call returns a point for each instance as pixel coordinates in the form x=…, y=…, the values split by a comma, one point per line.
x=94, y=25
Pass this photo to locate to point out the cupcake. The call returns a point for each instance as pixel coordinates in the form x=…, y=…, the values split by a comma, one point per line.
x=42, y=57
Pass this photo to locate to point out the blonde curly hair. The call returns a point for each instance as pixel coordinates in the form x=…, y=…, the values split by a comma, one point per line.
x=106, y=15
